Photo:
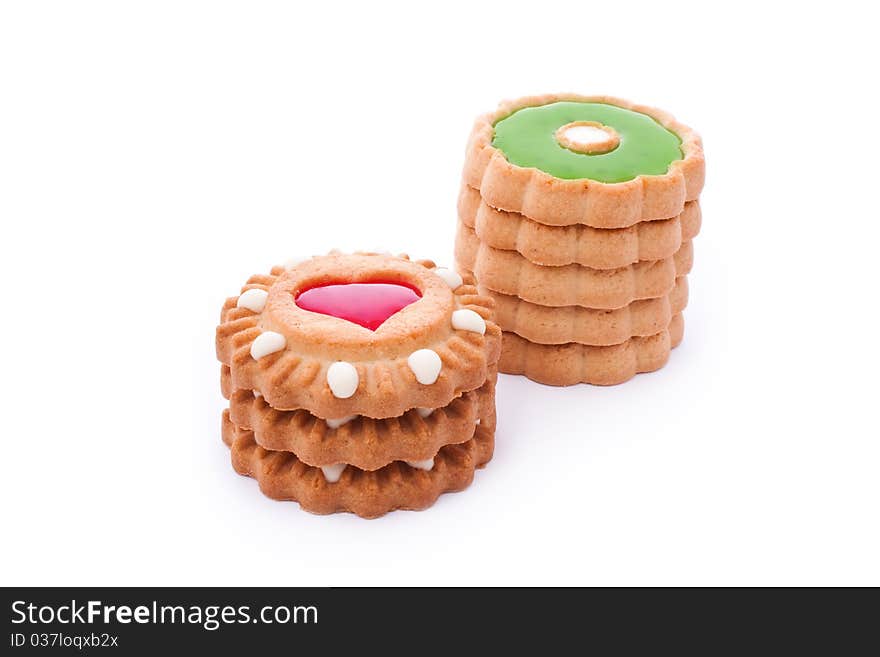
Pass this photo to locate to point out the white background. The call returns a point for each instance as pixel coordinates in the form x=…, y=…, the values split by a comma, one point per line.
x=156, y=154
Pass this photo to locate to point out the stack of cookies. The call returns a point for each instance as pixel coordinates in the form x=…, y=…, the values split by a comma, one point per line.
x=361, y=383
x=576, y=215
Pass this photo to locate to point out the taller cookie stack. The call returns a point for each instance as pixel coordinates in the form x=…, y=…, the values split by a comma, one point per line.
x=576, y=214
x=360, y=383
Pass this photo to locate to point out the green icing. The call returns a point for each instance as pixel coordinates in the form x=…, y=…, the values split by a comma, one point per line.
x=527, y=139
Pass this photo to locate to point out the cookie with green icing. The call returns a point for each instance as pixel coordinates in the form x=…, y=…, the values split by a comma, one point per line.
x=598, y=161
x=597, y=141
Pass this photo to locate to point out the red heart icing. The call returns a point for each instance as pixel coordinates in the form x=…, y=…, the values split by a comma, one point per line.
x=366, y=304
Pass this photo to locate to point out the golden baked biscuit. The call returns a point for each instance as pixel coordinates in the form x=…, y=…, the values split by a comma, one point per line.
x=510, y=273
x=568, y=364
x=363, y=442
x=369, y=494
x=598, y=248
x=560, y=325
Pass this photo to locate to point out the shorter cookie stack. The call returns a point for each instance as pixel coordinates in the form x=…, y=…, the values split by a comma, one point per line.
x=576, y=216
x=361, y=383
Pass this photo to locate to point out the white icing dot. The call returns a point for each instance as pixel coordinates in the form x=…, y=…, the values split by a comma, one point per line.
x=332, y=473
x=427, y=464
x=293, y=262
x=267, y=343
x=343, y=379
x=478, y=421
x=426, y=365
x=253, y=299
x=468, y=320
x=451, y=278
x=424, y=412
x=257, y=394
x=335, y=423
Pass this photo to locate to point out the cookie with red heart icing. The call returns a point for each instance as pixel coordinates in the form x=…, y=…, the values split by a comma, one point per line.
x=360, y=383
x=359, y=334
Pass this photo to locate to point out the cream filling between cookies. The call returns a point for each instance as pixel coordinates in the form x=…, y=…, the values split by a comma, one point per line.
x=427, y=464
x=335, y=423
x=333, y=473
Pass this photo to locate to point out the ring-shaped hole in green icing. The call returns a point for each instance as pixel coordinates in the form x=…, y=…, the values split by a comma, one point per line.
x=588, y=137
x=528, y=138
